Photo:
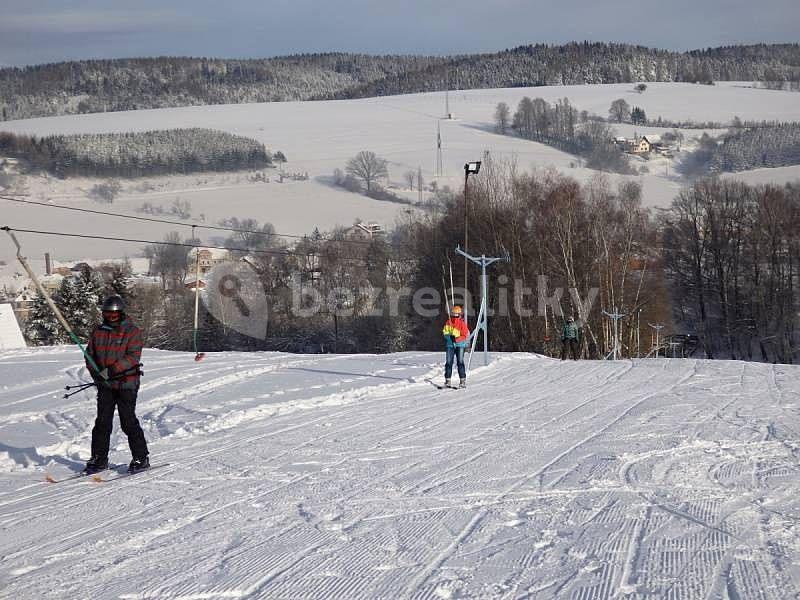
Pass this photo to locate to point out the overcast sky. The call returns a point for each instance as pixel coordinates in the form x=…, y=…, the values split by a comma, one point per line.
x=37, y=31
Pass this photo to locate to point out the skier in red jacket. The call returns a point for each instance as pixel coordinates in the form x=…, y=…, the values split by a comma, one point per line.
x=116, y=348
x=455, y=334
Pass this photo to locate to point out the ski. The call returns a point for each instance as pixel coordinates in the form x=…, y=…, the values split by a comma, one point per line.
x=440, y=386
x=100, y=479
x=50, y=479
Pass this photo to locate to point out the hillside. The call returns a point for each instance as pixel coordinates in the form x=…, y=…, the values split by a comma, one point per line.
x=299, y=476
x=319, y=137
x=160, y=82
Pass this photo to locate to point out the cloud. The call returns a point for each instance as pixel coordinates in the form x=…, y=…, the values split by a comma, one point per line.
x=88, y=22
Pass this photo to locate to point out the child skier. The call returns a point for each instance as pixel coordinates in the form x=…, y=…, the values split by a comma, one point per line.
x=455, y=333
x=116, y=348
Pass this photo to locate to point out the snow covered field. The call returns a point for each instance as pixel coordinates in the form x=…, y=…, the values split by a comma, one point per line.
x=318, y=137
x=298, y=476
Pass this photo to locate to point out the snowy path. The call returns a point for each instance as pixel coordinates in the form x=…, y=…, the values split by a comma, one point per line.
x=298, y=476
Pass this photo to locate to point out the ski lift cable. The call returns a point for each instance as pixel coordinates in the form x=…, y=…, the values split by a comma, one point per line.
x=177, y=223
x=182, y=244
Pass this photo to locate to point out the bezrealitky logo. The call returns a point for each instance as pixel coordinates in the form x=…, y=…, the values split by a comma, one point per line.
x=235, y=297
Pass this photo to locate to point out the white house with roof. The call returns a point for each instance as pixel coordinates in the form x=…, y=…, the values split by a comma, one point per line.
x=209, y=258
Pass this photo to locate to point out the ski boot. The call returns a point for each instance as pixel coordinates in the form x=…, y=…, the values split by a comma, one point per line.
x=446, y=383
x=139, y=464
x=96, y=464
x=462, y=384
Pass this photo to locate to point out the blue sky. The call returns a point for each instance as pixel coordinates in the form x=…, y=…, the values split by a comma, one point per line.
x=37, y=31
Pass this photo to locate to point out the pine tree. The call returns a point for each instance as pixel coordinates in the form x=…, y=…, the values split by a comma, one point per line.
x=42, y=327
x=119, y=282
x=638, y=116
x=78, y=299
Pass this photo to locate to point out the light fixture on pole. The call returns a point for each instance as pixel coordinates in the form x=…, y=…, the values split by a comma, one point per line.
x=470, y=168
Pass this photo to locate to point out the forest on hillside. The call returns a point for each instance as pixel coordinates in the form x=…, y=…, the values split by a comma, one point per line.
x=139, y=83
x=745, y=146
x=137, y=154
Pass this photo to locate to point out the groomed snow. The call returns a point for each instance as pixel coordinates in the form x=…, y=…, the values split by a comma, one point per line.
x=318, y=137
x=299, y=476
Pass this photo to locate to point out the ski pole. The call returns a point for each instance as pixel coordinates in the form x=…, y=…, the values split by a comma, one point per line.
x=79, y=389
x=23, y=261
x=84, y=386
x=120, y=375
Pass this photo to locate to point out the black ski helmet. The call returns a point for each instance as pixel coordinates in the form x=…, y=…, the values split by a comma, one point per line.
x=114, y=303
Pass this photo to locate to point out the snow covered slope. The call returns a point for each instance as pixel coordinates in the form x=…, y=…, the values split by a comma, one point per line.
x=297, y=476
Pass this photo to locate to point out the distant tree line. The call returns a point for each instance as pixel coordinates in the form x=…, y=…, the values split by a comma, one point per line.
x=757, y=145
x=720, y=266
x=789, y=86
x=745, y=146
x=562, y=126
x=732, y=252
x=592, y=63
x=91, y=86
x=130, y=84
x=137, y=154
x=621, y=112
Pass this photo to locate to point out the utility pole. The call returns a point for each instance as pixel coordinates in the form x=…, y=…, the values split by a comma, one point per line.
x=615, y=317
x=482, y=322
x=658, y=327
x=439, y=167
x=638, y=340
x=419, y=183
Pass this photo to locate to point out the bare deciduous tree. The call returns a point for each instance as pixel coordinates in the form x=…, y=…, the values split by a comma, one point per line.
x=367, y=167
x=620, y=110
x=410, y=177
x=502, y=115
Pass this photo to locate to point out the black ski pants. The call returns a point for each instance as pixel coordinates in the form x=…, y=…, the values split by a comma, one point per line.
x=571, y=345
x=125, y=403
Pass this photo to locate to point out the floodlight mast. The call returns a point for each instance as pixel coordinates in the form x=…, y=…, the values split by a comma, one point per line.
x=470, y=168
x=482, y=323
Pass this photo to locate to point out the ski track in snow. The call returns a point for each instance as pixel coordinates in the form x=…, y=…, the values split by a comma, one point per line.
x=300, y=476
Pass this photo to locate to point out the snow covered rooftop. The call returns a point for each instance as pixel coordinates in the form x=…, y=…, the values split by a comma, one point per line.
x=212, y=253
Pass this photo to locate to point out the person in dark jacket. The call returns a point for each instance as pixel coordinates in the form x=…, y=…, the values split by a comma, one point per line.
x=570, y=339
x=116, y=348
